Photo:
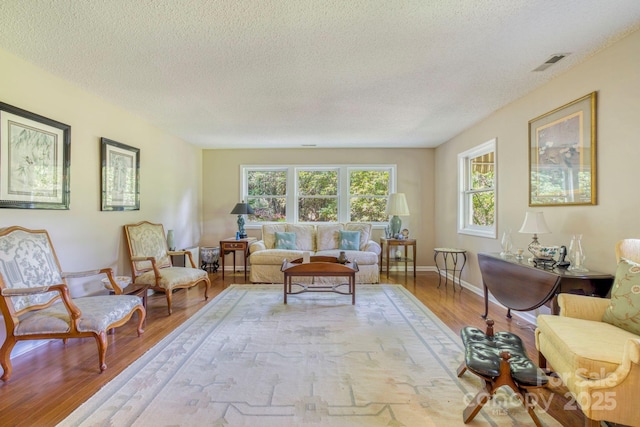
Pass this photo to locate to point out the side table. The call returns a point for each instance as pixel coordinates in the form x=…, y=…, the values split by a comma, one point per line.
x=454, y=254
x=232, y=245
x=385, y=246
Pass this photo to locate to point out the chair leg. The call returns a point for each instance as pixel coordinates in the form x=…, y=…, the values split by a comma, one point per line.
x=207, y=285
x=101, y=340
x=169, y=294
x=142, y=314
x=5, y=357
x=588, y=422
x=542, y=361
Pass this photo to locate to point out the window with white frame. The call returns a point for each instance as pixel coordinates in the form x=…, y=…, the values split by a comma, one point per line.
x=477, y=190
x=328, y=193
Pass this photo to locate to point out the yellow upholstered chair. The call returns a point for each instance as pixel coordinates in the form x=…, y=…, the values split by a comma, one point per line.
x=592, y=348
x=36, y=304
x=151, y=261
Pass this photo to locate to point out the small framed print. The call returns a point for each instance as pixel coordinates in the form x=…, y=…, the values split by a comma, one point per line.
x=35, y=155
x=120, y=176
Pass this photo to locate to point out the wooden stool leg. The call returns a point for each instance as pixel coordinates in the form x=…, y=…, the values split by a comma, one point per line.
x=461, y=369
x=529, y=404
x=478, y=402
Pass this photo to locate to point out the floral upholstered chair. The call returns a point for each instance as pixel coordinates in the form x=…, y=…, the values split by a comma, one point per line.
x=35, y=300
x=151, y=261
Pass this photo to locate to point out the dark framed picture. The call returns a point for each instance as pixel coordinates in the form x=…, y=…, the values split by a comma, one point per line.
x=35, y=156
x=562, y=155
x=120, y=176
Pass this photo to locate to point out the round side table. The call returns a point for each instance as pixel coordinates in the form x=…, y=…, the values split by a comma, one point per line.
x=458, y=259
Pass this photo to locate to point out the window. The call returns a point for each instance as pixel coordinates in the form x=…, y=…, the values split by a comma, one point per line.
x=477, y=188
x=317, y=193
x=368, y=193
x=267, y=194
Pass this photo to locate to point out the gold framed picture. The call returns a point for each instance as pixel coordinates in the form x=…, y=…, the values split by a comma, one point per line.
x=562, y=155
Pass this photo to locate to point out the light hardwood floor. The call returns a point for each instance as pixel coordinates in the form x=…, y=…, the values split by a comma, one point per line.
x=48, y=383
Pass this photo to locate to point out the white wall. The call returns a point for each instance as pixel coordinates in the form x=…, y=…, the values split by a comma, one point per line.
x=84, y=237
x=615, y=74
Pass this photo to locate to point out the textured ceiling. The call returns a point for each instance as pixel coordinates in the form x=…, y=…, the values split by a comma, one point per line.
x=288, y=73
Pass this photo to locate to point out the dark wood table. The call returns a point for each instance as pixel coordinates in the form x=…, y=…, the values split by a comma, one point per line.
x=231, y=246
x=521, y=286
x=385, y=248
x=319, y=266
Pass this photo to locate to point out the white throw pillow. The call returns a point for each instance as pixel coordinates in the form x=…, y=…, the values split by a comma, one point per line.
x=363, y=228
x=305, y=236
x=328, y=236
x=269, y=234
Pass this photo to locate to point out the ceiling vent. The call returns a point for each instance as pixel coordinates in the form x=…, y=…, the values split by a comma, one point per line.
x=555, y=58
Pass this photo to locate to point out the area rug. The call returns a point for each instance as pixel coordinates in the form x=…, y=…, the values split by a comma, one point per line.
x=246, y=359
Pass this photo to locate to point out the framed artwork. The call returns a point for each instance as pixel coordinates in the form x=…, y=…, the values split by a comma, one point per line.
x=562, y=155
x=120, y=176
x=35, y=155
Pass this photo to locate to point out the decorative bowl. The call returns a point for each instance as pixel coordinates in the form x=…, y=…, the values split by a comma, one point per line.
x=546, y=252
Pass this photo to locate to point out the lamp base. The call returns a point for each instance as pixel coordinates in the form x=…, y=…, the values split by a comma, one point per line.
x=242, y=235
x=395, y=224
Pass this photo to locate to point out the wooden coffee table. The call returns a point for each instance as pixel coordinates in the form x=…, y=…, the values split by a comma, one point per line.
x=319, y=266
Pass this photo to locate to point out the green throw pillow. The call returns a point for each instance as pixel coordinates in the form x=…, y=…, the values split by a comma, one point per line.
x=286, y=240
x=624, y=310
x=349, y=240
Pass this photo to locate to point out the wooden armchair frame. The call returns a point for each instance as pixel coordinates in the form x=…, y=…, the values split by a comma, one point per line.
x=151, y=263
x=59, y=302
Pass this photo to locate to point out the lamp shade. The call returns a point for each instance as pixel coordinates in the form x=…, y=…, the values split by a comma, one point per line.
x=242, y=208
x=397, y=205
x=534, y=223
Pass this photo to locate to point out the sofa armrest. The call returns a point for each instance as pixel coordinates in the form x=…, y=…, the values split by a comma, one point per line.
x=372, y=246
x=582, y=306
x=257, y=246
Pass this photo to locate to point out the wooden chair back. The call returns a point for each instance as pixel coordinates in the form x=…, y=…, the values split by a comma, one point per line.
x=27, y=260
x=146, y=239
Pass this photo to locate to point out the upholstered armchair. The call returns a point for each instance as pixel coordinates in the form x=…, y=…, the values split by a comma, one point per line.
x=594, y=344
x=36, y=303
x=151, y=262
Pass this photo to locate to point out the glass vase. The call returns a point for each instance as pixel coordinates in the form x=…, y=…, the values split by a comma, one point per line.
x=576, y=255
x=506, y=243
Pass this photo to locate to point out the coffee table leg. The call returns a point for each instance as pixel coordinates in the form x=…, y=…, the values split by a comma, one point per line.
x=352, y=281
x=285, y=289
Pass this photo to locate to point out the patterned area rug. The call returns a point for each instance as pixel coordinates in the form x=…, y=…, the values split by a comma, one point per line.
x=246, y=359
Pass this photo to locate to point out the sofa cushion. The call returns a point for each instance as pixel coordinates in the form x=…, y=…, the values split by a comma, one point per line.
x=305, y=236
x=349, y=240
x=274, y=256
x=363, y=228
x=285, y=240
x=328, y=236
x=363, y=258
x=624, y=309
x=269, y=234
x=574, y=339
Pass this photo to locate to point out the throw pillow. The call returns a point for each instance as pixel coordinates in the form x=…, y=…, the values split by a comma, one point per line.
x=349, y=240
x=286, y=241
x=624, y=310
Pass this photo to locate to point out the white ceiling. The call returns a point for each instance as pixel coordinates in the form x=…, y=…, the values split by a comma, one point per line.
x=289, y=73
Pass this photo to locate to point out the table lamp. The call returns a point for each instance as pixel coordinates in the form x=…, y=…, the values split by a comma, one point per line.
x=241, y=209
x=396, y=206
x=535, y=224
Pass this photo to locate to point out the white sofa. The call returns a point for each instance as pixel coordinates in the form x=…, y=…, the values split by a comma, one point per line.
x=321, y=239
